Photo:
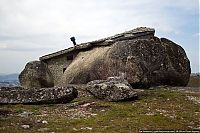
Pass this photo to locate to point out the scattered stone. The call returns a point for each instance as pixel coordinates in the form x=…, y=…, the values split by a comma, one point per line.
x=83, y=110
x=38, y=121
x=5, y=112
x=36, y=75
x=37, y=96
x=93, y=114
x=87, y=104
x=150, y=114
x=25, y=126
x=75, y=129
x=45, y=122
x=194, y=99
x=112, y=89
x=25, y=114
x=86, y=128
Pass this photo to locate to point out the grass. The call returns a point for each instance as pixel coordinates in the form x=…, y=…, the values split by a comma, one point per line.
x=157, y=109
x=194, y=81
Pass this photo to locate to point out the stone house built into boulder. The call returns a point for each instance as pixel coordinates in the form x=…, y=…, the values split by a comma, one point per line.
x=140, y=57
x=59, y=61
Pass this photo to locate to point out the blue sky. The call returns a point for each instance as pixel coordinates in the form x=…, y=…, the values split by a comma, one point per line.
x=32, y=28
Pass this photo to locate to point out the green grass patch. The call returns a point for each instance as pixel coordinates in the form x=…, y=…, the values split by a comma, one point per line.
x=156, y=109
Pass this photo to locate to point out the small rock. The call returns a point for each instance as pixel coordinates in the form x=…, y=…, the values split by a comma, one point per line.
x=25, y=126
x=25, y=114
x=45, y=122
x=38, y=121
x=87, y=104
x=112, y=89
x=86, y=128
x=75, y=129
x=150, y=114
x=93, y=114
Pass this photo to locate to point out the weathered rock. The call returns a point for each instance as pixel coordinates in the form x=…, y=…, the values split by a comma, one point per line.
x=36, y=75
x=145, y=62
x=19, y=95
x=112, y=89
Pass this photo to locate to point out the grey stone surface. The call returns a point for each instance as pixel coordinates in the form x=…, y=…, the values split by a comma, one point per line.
x=19, y=95
x=135, y=33
x=114, y=89
x=59, y=61
x=145, y=62
x=144, y=59
x=57, y=66
x=36, y=75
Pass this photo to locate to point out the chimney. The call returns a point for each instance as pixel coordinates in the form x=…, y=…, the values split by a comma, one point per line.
x=73, y=40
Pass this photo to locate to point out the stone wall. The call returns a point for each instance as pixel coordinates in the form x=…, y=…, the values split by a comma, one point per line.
x=58, y=64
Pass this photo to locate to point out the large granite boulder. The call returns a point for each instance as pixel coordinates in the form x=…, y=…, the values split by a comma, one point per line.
x=145, y=61
x=36, y=75
x=112, y=89
x=19, y=95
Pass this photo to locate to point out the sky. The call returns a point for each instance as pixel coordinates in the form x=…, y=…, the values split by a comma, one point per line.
x=32, y=28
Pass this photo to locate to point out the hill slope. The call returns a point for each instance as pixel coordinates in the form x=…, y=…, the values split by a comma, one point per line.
x=156, y=109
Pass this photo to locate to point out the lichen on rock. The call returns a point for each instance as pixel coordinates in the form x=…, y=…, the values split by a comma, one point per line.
x=113, y=89
x=19, y=95
x=36, y=75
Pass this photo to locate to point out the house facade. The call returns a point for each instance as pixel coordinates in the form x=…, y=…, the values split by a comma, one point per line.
x=59, y=61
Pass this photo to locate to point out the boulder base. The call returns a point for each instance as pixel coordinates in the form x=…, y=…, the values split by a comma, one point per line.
x=19, y=95
x=36, y=75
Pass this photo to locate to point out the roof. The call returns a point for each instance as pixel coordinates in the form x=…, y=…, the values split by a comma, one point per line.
x=135, y=33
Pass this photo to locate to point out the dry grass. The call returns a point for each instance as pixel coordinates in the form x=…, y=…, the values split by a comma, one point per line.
x=194, y=81
x=156, y=109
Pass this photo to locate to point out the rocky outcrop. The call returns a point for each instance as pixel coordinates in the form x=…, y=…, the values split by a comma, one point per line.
x=19, y=95
x=143, y=58
x=36, y=75
x=112, y=89
x=147, y=61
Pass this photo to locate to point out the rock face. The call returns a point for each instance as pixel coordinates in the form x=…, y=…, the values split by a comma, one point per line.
x=36, y=75
x=112, y=89
x=19, y=95
x=144, y=61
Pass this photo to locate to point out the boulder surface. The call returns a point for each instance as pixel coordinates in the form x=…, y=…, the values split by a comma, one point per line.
x=145, y=62
x=112, y=89
x=36, y=75
x=19, y=95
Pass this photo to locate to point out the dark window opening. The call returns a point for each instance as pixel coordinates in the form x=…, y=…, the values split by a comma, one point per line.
x=70, y=57
x=64, y=70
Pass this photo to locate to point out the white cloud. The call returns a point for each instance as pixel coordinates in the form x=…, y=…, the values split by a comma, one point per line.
x=3, y=46
x=43, y=25
x=85, y=17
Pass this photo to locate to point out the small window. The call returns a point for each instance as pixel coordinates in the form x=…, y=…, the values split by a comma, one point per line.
x=64, y=70
x=70, y=57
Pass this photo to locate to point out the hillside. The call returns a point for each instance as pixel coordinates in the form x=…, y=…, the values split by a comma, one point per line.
x=157, y=109
x=9, y=80
x=9, y=77
x=194, y=80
